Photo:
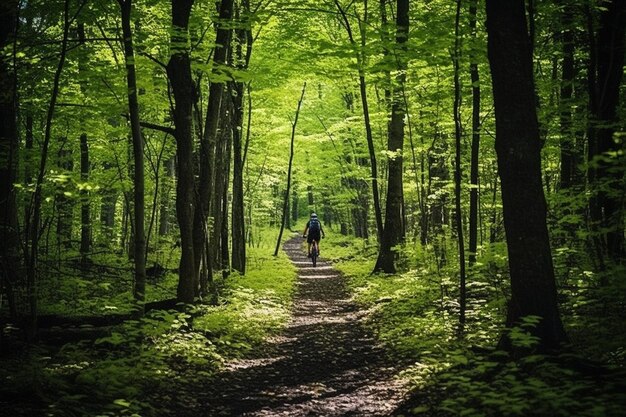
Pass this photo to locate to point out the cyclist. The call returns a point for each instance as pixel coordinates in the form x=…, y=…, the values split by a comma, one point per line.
x=316, y=232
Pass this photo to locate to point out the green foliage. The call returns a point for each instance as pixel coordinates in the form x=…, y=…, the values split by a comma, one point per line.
x=126, y=372
x=414, y=315
x=253, y=306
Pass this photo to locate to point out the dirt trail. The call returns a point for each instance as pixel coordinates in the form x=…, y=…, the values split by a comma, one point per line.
x=324, y=363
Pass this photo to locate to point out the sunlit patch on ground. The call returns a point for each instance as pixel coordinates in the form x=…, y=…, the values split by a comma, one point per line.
x=250, y=363
x=324, y=364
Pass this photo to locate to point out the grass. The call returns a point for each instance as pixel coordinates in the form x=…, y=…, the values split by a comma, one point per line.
x=415, y=315
x=127, y=372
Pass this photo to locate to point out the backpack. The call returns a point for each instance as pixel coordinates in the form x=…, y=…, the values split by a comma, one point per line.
x=314, y=226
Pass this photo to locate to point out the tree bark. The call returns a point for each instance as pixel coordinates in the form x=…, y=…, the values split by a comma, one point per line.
x=224, y=225
x=220, y=187
x=606, y=180
x=238, y=225
x=518, y=147
x=179, y=74
x=10, y=270
x=244, y=37
x=139, y=238
x=85, y=213
x=209, y=140
x=474, y=76
x=457, y=168
x=393, y=231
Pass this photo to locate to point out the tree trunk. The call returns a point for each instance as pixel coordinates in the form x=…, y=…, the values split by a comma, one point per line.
x=208, y=142
x=64, y=204
x=107, y=214
x=139, y=239
x=366, y=118
x=238, y=226
x=457, y=167
x=179, y=74
x=394, y=222
x=164, y=210
x=220, y=187
x=294, y=205
x=286, y=196
x=10, y=243
x=85, y=210
x=605, y=178
x=224, y=225
x=244, y=37
x=34, y=220
x=518, y=147
x=568, y=151
x=473, y=209
x=310, y=197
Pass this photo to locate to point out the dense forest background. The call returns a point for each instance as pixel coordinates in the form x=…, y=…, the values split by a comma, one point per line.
x=466, y=159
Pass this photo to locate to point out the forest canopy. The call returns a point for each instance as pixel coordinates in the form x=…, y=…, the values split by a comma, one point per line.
x=466, y=159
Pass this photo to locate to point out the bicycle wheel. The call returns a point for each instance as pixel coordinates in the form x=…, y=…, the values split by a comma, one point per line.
x=314, y=254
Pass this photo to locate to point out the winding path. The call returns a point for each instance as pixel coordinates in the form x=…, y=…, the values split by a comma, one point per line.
x=324, y=364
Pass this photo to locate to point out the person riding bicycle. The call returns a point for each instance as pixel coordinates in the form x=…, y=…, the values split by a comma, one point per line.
x=316, y=232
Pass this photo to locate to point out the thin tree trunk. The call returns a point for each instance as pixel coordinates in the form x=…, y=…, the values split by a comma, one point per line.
x=286, y=196
x=518, y=147
x=244, y=37
x=32, y=230
x=457, y=168
x=238, y=226
x=393, y=231
x=139, y=239
x=85, y=210
x=64, y=204
x=224, y=226
x=366, y=120
x=164, y=210
x=474, y=76
x=568, y=152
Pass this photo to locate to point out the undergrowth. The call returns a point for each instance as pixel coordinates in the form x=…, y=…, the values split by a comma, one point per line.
x=130, y=371
x=415, y=314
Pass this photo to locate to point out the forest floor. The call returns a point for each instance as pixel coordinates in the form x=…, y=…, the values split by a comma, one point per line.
x=325, y=363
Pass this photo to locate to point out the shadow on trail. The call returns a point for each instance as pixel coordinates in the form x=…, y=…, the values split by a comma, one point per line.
x=324, y=363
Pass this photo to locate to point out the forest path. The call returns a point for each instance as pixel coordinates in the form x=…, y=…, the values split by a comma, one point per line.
x=325, y=363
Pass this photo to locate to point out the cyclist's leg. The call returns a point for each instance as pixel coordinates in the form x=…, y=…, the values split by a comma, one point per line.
x=309, y=240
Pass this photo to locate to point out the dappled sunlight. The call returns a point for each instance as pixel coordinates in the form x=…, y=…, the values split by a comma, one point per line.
x=250, y=363
x=321, y=276
x=308, y=269
x=324, y=363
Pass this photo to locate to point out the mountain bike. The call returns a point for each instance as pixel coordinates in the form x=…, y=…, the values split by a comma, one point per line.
x=315, y=251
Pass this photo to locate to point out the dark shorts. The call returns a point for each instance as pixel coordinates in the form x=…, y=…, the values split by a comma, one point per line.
x=313, y=236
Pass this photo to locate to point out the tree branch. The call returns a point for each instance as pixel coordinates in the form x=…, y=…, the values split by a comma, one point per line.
x=148, y=125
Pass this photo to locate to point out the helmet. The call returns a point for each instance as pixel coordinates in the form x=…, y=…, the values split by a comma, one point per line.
x=313, y=215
